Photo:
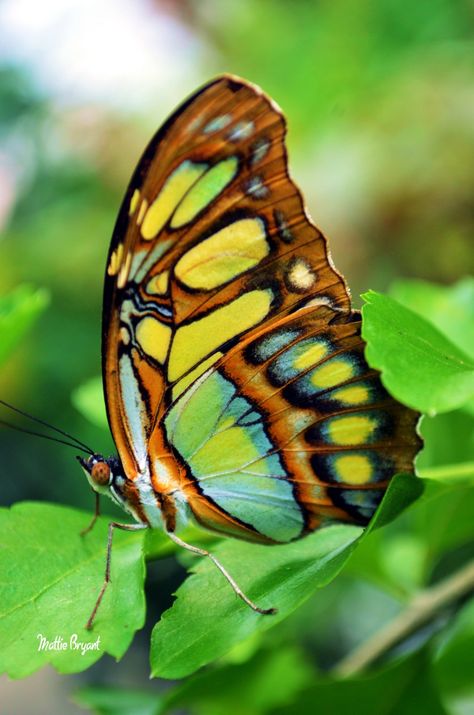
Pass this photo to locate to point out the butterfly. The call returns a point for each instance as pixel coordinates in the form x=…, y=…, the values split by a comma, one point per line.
x=236, y=387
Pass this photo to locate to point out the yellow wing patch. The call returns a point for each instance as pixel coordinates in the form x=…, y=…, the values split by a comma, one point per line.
x=142, y=211
x=194, y=341
x=134, y=202
x=353, y=469
x=115, y=260
x=352, y=395
x=351, y=430
x=224, y=255
x=204, y=191
x=158, y=285
x=124, y=271
x=169, y=197
x=332, y=373
x=153, y=337
x=311, y=356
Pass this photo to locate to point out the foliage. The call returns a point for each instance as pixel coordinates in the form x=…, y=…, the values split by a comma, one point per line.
x=88, y=399
x=380, y=134
x=53, y=576
x=400, y=554
x=18, y=312
x=452, y=664
x=68, y=571
x=430, y=374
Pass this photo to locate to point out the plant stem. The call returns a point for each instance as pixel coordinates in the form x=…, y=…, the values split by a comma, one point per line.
x=448, y=472
x=420, y=610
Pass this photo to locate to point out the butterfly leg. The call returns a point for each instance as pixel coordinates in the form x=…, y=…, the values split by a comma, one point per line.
x=113, y=525
x=202, y=552
x=95, y=517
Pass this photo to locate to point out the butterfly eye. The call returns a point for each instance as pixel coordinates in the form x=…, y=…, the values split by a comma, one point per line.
x=100, y=473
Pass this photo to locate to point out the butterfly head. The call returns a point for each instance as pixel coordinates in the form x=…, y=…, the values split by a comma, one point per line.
x=101, y=472
x=106, y=476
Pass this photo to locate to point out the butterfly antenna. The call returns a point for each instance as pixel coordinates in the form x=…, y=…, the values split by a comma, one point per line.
x=44, y=436
x=77, y=442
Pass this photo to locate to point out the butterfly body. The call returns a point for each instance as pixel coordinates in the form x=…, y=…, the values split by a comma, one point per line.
x=236, y=386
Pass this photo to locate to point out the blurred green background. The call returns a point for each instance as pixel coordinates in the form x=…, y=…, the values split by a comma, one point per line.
x=378, y=97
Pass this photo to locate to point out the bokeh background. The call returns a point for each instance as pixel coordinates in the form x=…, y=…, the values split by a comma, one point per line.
x=379, y=102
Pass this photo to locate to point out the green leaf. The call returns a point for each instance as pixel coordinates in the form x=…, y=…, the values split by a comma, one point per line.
x=215, y=619
x=51, y=577
x=449, y=308
x=280, y=576
x=453, y=663
x=448, y=441
x=18, y=311
x=443, y=518
x=448, y=449
x=419, y=365
x=88, y=399
x=438, y=522
x=404, y=489
x=270, y=678
x=450, y=473
x=406, y=688
x=119, y=701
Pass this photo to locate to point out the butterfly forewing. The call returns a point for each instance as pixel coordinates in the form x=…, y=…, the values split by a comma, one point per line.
x=212, y=253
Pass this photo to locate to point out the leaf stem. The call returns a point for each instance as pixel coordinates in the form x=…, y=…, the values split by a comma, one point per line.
x=448, y=471
x=421, y=609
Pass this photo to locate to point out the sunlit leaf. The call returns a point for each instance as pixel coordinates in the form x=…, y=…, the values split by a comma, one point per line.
x=278, y=576
x=449, y=308
x=281, y=577
x=419, y=365
x=51, y=577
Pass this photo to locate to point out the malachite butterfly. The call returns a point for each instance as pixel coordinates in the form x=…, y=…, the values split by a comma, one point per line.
x=236, y=387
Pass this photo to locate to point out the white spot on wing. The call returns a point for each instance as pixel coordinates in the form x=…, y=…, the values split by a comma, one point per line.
x=259, y=150
x=300, y=277
x=256, y=188
x=241, y=130
x=216, y=124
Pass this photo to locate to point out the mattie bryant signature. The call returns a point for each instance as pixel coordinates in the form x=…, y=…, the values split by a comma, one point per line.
x=59, y=644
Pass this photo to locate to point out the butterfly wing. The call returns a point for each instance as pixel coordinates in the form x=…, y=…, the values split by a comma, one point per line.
x=212, y=248
x=294, y=430
x=211, y=240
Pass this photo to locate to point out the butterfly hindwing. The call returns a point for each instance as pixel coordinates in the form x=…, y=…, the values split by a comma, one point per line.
x=295, y=429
